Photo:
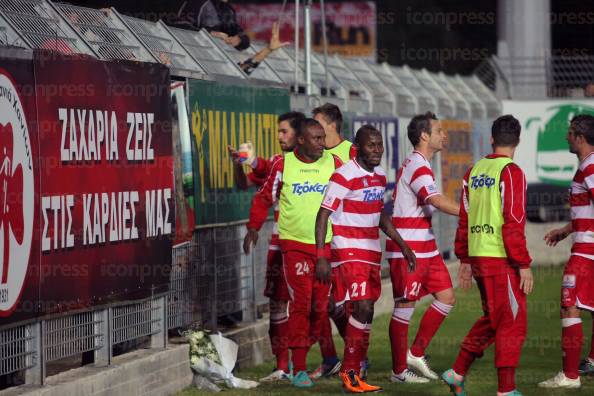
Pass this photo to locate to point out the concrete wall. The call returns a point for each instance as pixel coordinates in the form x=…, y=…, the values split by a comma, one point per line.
x=143, y=372
x=540, y=252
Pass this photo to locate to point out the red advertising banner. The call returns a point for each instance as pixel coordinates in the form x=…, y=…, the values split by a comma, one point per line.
x=86, y=183
x=19, y=180
x=351, y=26
x=106, y=191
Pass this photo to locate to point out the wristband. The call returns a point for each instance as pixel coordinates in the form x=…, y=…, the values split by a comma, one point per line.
x=321, y=252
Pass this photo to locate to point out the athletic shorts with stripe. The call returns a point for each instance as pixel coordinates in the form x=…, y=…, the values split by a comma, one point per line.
x=430, y=276
x=578, y=283
x=362, y=281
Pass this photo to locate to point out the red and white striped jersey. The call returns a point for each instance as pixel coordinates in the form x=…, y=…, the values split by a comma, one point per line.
x=582, y=208
x=415, y=183
x=356, y=198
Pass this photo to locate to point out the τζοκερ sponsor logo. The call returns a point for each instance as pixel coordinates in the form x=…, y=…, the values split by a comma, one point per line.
x=306, y=188
x=481, y=181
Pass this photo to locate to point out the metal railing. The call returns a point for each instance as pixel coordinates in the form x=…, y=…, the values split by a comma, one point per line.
x=211, y=279
x=16, y=349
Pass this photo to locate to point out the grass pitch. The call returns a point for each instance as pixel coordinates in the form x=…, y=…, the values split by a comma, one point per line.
x=541, y=356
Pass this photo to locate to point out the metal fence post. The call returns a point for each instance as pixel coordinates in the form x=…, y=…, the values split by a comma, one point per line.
x=35, y=375
x=159, y=337
x=253, y=309
x=215, y=305
x=102, y=326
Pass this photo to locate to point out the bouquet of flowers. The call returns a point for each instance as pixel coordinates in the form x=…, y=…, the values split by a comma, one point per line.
x=212, y=358
x=201, y=347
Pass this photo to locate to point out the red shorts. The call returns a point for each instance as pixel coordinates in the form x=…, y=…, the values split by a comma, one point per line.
x=430, y=276
x=578, y=278
x=276, y=286
x=339, y=291
x=361, y=280
x=308, y=306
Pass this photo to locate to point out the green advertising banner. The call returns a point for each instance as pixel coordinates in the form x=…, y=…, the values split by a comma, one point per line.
x=228, y=115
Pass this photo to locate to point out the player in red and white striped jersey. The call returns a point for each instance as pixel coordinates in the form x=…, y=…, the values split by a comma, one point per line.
x=354, y=201
x=416, y=197
x=276, y=287
x=576, y=291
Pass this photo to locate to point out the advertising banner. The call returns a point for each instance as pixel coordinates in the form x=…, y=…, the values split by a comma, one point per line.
x=86, y=183
x=388, y=126
x=543, y=152
x=106, y=190
x=456, y=157
x=222, y=116
x=351, y=26
x=19, y=181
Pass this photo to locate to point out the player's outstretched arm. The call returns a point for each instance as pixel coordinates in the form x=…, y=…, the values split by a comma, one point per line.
x=555, y=236
x=388, y=229
x=322, y=265
x=444, y=204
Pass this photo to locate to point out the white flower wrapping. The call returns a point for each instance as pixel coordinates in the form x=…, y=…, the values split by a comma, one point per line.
x=213, y=357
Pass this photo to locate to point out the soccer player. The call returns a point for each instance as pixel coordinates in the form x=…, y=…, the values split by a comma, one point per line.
x=287, y=124
x=298, y=181
x=276, y=287
x=491, y=244
x=578, y=277
x=330, y=117
x=354, y=201
x=415, y=199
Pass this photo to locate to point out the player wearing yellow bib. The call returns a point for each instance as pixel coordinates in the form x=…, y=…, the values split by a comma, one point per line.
x=491, y=246
x=330, y=117
x=298, y=181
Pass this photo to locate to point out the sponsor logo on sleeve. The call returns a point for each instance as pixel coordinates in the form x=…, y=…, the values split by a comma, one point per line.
x=568, y=281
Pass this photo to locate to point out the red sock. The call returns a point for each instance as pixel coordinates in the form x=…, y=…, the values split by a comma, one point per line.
x=433, y=318
x=365, y=348
x=399, y=337
x=278, y=339
x=463, y=362
x=354, y=345
x=591, y=355
x=571, y=342
x=299, y=357
x=506, y=378
x=340, y=319
x=326, y=341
